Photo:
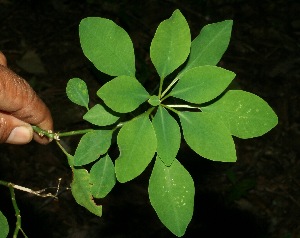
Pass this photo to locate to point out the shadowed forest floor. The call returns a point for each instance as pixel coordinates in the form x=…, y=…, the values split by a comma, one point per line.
x=258, y=196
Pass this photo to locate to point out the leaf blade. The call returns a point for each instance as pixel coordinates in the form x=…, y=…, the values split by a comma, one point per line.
x=102, y=177
x=171, y=192
x=170, y=46
x=123, y=94
x=98, y=116
x=134, y=156
x=91, y=146
x=4, y=226
x=202, y=84
x=80, y=188
x=210, y=45
x=77, y=92
x=107, y=46
x=245, y=114
x=207, y=136
x=168, y=135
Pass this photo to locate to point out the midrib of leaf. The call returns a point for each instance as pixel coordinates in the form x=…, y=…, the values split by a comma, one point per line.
x=113, y=52
x=138, y=136
x=204, y=49
x=163, y=124
x=82, y=98
x=172, y=203
x=169, y=50
x=102, y=176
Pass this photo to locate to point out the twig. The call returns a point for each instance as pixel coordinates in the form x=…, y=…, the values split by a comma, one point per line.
x=56, y=135
x=12, y=188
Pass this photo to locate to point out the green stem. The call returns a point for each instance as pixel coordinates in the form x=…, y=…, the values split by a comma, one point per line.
x=56, y=135
x=72, y=133
x=16, y=208
x=160, y=88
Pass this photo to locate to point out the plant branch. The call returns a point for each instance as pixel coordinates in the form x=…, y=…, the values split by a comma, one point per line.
x=39, y=193
x=17, y=210
x=56, y=135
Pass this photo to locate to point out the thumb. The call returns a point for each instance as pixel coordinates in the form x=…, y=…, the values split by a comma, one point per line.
x=14, y=131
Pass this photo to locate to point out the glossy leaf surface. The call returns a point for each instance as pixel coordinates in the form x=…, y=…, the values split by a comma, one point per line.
x=170, y=46
x=102, y=177
x=202, y=84
x=171, y=192
x=168, y=135
x=207, y=136
x=245, y=114
x=97, y=115
x=107, y=46
x=209, y=46
x=137, y=144
x=123, y=94
x=81, y=190
x=91, y=146
x=77, y=92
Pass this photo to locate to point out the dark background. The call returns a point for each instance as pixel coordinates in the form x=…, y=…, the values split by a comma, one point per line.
x=258, y=196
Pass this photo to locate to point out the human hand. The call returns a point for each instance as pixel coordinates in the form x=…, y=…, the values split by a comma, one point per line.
x=19, y=107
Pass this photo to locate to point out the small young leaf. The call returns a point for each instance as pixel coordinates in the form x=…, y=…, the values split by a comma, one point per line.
x=107, y=46
x=102, y=177
x=208, y=136
x=123, y=94
x=77, y=92
x=245, y=114
x=171, y=44
x=171, y=191
x=168, y=135
x=4, y=227
x=91, y=146
x=137, y=144
x=81, y=190
x=98, y=116
x=209, y=46
x=154, y=100
x=202, y=84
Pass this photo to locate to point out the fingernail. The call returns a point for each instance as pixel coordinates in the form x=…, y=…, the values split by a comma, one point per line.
x=20, y=135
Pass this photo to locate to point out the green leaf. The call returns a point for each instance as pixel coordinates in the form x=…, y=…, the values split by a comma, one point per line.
x=107, y=46
x=102, y=177
x=123, y=94
x=171, y=44
x=77, y=92
x=81, y=190
x=202, y=84
x=4, y=227
x=207, y=136
x=209, y=46
x=91, y=146
x=98, y=116
x=171, y=192
x=154, y=100
x=168, y=135
x=137, y=144
x=245, y=114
